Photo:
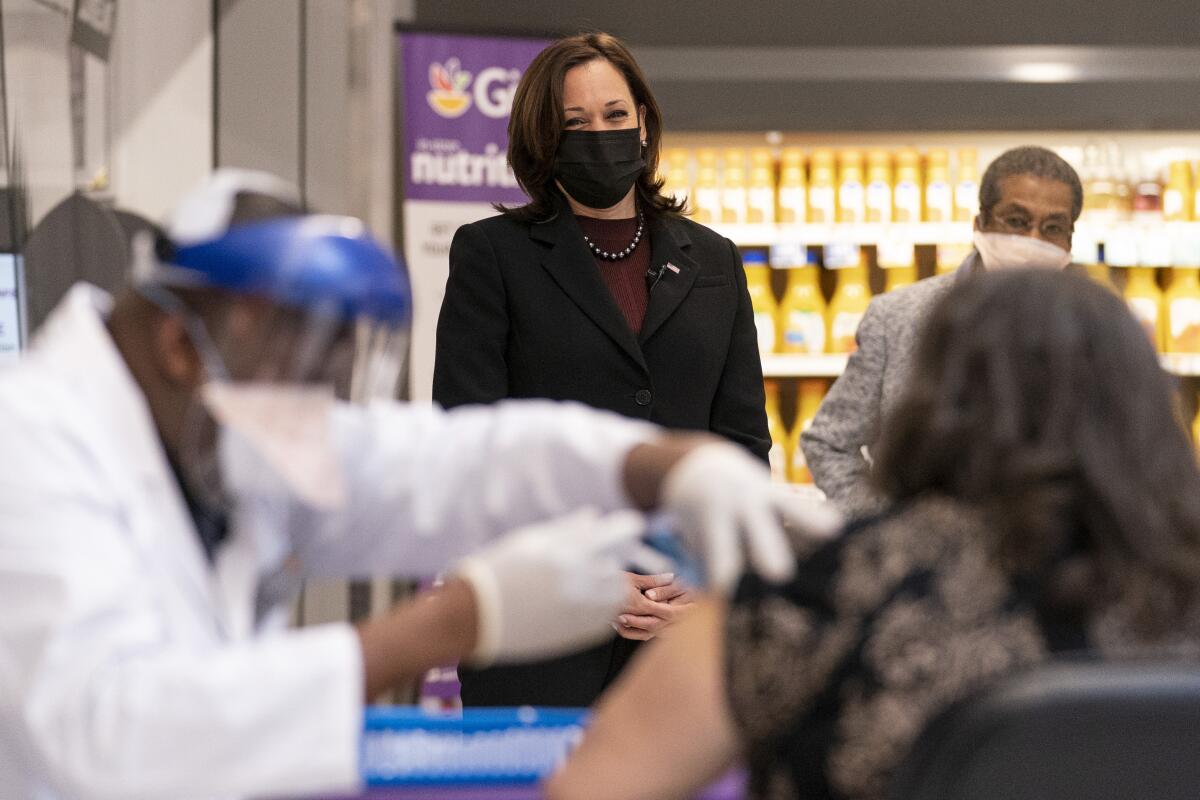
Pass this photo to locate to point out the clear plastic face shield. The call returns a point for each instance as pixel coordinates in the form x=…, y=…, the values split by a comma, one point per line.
x=287, y=317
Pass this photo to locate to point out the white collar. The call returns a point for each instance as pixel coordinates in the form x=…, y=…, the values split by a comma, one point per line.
x=74, y=344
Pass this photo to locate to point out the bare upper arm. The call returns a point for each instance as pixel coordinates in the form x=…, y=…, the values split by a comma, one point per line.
x=664, y=729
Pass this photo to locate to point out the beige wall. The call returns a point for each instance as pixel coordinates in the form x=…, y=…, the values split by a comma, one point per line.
x=161, y=102
x=38, y=102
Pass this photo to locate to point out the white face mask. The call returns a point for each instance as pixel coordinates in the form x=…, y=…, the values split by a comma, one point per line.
x=1011, y=251
x=277, y=437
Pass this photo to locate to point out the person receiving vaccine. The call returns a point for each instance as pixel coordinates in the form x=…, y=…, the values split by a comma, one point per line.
x=180, y=457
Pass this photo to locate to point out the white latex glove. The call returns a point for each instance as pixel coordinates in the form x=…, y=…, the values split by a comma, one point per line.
x=555, y=586
x=726, y=506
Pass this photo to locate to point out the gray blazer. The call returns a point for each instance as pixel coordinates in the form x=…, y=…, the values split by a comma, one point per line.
x=875, y=377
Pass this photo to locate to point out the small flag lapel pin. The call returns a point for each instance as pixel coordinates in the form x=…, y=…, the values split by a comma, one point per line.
x=673, y=268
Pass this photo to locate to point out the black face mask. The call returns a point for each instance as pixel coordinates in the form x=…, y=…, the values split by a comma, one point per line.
x=597, y=168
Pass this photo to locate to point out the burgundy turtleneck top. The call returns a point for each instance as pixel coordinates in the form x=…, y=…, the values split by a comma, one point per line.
x=626, y=277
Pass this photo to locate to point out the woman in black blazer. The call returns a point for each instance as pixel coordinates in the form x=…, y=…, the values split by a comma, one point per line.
x=600, y=291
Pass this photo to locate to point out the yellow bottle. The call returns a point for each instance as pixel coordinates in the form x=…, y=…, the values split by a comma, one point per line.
x=812, y=392
x=1124, y=188
x=1102, y=196
x=793, y=195
x=879, y=186
x=899, y=264
x=849, y=302
x=899, y=277
x=1182, y=303
x=852, y=194
x=679, y=179
x=1145, y=300
x=1178, y=196
x=1196, y=426
x=822, y=189
x=1196, y=201
x=708, y=194
x=906, y=195
x=1101, y=274
x=760, y=198
x=966, y=191
x=762, y=300
x=802, y=313
x=778, y=456
x=939, y=196
x=733, y=188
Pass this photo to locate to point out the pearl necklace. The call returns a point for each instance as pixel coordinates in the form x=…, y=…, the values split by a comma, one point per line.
x=637, y=237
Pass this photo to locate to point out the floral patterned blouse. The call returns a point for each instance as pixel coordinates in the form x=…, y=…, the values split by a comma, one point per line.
x=832, y=676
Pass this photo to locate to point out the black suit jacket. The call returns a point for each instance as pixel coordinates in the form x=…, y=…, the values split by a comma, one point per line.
x=526, y=314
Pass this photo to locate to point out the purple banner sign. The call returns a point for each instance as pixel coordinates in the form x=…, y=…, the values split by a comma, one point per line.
x=457, y=97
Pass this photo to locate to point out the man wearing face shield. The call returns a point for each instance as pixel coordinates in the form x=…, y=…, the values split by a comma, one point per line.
x=1029, y=201
x=179, y=458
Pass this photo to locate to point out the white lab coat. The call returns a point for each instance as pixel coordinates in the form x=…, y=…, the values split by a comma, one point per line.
x=130, y=668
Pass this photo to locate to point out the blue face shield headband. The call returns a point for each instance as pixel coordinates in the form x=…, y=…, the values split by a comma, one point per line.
x=325, y=269
x=322, y=264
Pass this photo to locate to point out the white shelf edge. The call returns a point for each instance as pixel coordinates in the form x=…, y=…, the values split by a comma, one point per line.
x=831, y=366
x=929, y=233
x=1182, y=364
x=848, y=233
x=802, y=366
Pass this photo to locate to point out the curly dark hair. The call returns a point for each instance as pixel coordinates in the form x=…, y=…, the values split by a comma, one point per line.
x=1037, y=397
x=536, y=125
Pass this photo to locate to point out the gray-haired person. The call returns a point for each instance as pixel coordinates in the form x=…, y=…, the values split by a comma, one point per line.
x=1029, y=200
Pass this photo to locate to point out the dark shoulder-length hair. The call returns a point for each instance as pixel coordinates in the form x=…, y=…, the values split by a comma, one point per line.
x=1037, y=397
x=536, y=124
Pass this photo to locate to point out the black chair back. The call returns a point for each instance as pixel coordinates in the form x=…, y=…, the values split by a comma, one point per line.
x=78, y=240
x=1066, y=731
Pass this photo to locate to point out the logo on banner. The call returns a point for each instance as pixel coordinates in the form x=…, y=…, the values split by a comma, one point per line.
x=449, y=97
x=493, y=91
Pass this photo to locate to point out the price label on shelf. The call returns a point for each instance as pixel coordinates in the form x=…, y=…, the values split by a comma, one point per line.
x=1121, y=247
x=894, y=252
x=789, y=254
x=841, y=255
x=1153, y=250
x=1185, y=246
x=1085, y=249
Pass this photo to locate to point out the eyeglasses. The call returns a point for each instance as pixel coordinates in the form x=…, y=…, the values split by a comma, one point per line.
x=1052, y=229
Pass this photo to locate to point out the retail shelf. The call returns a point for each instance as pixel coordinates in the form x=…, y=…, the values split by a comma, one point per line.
x=760, y=235
x=831, y=366
x=1173, y=238
x=1185, y=364
x=802, y=366
x=1104, y=231
x=847, y=233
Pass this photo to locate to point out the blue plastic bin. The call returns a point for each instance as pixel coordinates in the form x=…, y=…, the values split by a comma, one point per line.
x=404, y=746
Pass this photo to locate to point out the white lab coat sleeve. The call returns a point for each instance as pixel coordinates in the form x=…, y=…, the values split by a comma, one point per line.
x=427, y=485
x=109, y=700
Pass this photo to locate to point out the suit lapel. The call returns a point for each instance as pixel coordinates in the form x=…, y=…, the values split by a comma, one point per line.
x=669, y=241
x=572, y=266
